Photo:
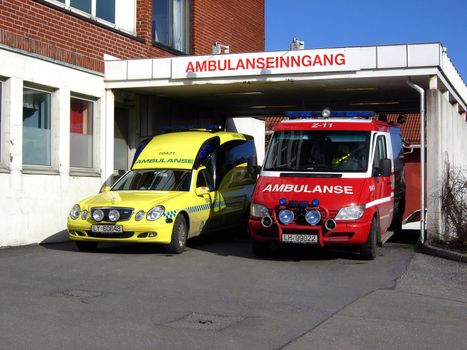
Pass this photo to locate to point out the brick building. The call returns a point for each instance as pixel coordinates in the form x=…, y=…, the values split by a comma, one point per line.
x=60, y=134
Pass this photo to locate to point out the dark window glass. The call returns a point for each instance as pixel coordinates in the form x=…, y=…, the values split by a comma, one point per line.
x=171, y=22
x=205, y=179
x=380, y=151
x=83, y=5
x=105, y=9
x=154, y=180
x=318, y=151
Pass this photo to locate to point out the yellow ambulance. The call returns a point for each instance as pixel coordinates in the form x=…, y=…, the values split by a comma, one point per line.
x=180, y=185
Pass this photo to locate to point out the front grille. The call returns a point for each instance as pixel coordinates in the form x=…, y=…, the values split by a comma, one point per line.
x=125, y=213
x=110, y=235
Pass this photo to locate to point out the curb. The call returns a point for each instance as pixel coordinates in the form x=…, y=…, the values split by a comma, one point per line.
x=426, y=248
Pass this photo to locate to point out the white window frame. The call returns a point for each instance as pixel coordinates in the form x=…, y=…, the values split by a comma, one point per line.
x=53, y=168
x=95, y=169
x=93, y=16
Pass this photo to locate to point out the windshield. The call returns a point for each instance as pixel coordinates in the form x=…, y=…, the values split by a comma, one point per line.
x=154, y=180
x=318, y=151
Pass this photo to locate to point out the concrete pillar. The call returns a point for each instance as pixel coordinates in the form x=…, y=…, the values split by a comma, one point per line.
x=435, y=163
x=61, y=113
x=107, y=144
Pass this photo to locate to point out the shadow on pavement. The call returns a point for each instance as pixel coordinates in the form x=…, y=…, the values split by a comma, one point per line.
x=235, y=243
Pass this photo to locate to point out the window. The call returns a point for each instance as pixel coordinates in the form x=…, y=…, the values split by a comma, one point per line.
x=171, y=23
x=83, y=5
x=103, y=9
x=36, y=127
x=380, y=152
x=81, y=133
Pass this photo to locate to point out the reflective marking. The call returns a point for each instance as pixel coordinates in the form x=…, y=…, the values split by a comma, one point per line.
x=379, y=201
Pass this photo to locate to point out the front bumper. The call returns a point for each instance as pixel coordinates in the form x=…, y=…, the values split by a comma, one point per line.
x=345, y=233
x=133, y=232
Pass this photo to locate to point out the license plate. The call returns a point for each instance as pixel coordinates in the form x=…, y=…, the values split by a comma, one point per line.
x=303, y=239
x=107, y=228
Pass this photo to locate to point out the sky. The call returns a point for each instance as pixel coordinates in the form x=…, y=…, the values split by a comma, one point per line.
x=342, y=23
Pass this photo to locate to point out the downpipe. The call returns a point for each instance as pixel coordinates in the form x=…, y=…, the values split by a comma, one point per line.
x=422, y=156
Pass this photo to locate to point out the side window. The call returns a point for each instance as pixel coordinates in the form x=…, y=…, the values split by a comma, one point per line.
x=229, y=156
x=397, y=150
x=204, y=179
x=380, y=151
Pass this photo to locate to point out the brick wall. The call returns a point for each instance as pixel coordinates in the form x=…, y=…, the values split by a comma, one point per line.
x=33, y=26
x=237, y=23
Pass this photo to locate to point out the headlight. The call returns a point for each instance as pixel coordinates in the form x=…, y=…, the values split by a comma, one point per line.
x=286, y=216
x=139, y=215
x=353, y=212
x=75, y=211
x=98, y=215
x=312, y=217
x=155, y=213
x=258, y=210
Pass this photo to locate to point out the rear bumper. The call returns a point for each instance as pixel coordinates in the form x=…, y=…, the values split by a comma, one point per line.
x=345, y=233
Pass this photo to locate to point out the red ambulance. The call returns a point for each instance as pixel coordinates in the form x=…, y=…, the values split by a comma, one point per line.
x=329, y=178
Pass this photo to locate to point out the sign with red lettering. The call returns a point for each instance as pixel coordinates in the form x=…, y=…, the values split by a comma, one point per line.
x=266, y=63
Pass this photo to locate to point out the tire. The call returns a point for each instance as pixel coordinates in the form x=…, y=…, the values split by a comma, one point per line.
x=179, y=236
x=86, y=246
x=261, y=248
x=368, y=249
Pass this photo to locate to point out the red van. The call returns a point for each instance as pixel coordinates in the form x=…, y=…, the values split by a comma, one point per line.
x=329, y=178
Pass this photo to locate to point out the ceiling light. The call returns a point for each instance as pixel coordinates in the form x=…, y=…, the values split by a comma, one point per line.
x=375, y=103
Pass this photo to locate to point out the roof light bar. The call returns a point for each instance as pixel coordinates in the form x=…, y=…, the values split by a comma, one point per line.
x=331, y=114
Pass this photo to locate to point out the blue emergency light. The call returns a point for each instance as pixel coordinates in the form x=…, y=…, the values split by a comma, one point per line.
x=330, y=114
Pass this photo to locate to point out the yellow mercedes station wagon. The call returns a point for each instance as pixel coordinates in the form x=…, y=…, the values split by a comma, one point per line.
x=181, y=185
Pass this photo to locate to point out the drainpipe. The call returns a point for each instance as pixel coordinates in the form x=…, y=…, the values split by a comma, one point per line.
x=422, y=156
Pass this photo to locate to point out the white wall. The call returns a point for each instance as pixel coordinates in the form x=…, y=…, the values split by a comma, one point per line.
x=253, y=127
x=446, y=133
x=34, y=205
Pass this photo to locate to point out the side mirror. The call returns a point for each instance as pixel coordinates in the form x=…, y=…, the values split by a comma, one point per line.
x=200, y=191
x=385, y=167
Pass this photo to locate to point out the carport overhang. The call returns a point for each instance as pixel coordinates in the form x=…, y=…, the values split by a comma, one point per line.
x=371, y=78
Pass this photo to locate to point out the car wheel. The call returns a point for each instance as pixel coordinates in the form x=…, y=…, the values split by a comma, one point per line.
x=179, y=236
x=86, y=246
x=261, y=248
x=368, y=249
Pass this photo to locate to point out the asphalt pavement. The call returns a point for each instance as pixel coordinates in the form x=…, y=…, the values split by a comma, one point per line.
x=218, y=295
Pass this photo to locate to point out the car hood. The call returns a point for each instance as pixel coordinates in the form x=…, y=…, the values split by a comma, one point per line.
x=141, y=200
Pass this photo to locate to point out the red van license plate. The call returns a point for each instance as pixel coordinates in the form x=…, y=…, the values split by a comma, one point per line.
x=304, y=239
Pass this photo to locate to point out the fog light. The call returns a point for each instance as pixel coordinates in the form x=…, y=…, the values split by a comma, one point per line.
x=286, y=216
x=114, y=215
x=312, y=217
x=84, y=214
x=152, y=234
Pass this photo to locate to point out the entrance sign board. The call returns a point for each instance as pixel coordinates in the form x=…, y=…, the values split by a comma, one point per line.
x=266, y=63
